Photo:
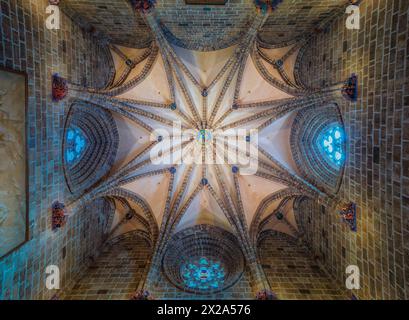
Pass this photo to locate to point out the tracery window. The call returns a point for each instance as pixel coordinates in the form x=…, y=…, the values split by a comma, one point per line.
x=332, y=143
x=203, y=274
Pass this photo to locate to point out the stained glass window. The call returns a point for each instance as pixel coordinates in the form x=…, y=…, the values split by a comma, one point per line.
x=203, y=274
x=333, y=144
x=75, y=145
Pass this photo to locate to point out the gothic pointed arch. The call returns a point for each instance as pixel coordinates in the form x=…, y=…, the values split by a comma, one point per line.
x=203, y=259
x=318, y=146
x=89, y=147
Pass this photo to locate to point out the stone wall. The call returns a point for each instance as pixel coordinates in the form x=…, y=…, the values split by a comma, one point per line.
x=199, y=27
x=26, y=45
x=121, y=266
x=296, y=18
x=115, y=19
x=202, y=27
x=293, y=273
x=115, y=274
x=377, y=166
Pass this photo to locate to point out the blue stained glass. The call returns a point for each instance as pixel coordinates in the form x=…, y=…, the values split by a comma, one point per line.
x=75, y=144
x=333, y=144
x=203, y=274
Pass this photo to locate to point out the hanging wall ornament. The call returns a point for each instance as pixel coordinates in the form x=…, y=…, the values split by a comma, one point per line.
x=350, y=88
x=55, y=297
x=143, y=5
x=142, y=295
x=266, y=295
x=348, y=214
x=59, y=217
x=59, y=87
x=266, y=5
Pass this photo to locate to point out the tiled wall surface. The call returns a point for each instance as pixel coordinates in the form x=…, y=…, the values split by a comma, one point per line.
x=377, y=165
x=27, y=45
x=293, y=273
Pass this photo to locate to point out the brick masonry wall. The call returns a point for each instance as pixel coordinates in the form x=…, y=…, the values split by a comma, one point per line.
x=194, y=26
x=201, y=27
x=114, y=18
x=293, y=273
x=26, y=45
x=295, y=18
x=121, y=266
x=377, y=165
x=115, y=274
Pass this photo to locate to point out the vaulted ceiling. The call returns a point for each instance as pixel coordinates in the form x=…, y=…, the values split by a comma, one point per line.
x=165, y=186
x=202, y=27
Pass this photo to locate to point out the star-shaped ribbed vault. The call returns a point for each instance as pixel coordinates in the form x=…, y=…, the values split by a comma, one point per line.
x=163, y=183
